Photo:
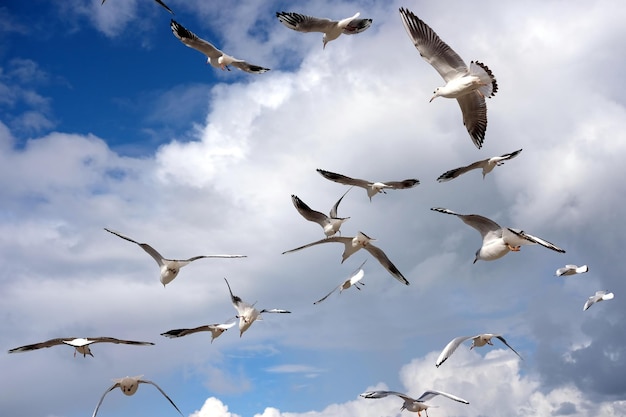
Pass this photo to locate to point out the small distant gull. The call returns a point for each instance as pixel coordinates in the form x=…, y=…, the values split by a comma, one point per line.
x=571, y=270
x=169, y=267
x=331, y=29
x=331, y=223
x=158, y=1
x=215, y=57
x=353, y=244
x=477, y=341
x=215, y=329
x=81, y=345
x=487, y=166
x=354, y=280
x=469, y=86
x=412, y=404
x=497, y=241
x=372, y=188
x=246, y=313
x=599, y=296
x=129, y=386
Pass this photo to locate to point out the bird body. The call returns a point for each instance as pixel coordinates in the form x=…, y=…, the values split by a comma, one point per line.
x=331, y=29
x=80, y=344
x=487, y=166
x=371, y=187
x=477, y=341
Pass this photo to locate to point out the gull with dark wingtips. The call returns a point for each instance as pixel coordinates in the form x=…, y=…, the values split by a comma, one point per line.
x=331, y=223
x=477, y=341
x=597, y=297
x=469, y=86
x=331, y=29
x=158, y=1
x=487, y=166
x=571, y=270
x=80, y=344
x=412, y=404
x=215, y=329
x=353, y=281
x=371, y=187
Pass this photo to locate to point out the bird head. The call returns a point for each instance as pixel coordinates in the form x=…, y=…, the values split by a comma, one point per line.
x=129, y=385
x=435, y=94
x=324, y=41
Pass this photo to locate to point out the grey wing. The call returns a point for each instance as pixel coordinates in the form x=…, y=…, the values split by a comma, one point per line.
x=111, y=388
x=345, y=240
x=35, y=346
x=303, y=23
x=193, y=41
x=274, y=310
x=333, y=210
x=435, y=51
x=184, y=332
x=149, y=249
x=118, y=341
x=384, y=261
x=383, y=394
x=486, y=227
x=427, y=395
x=163, y=5
x=453, y=173
x=308, y=213
x=530, y=239
x=342, y=179
x=186, y=261
x=401, y=185
x=450, y=348
x=507, y=345
x=327, y=295
x=474, y=109
x=247, y=67
x=357, y=26
x=511, y=155
x=145, y=381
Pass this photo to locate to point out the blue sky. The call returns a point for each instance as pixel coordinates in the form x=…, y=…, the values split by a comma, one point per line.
x=107, y=120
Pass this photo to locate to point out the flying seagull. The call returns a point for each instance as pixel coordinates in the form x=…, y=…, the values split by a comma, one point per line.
x=169, y=267
x=469, y=86
x=571, y=270
x=487, y=166
x=354, y=280
x=599, y=296
x=81, y=345
x=158, y=1
x=331, y=29
x=497, y=241
x=411, y=404
x=330, y=223
x=215, y=57
x=477, y=341
x=246, y=313
x=353, y=244
x=372, y=188
x=129, y=386
x=215, y=329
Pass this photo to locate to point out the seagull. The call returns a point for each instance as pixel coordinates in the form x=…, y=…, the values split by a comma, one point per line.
x=372, y=188
x=477, y=341
x=129, y=386
x=169, y=267
x=81, y=345
x=412, y=404
x=468, y=86
x=353, y=244
x=158, y=1
x=215, y=329
x=246, y=313
x=487, y=166
x=497, y=241
x=571, y=270
x=215, y=57
x=330, y=223
x=599, y=296
x=354, y=280
x=331, y=29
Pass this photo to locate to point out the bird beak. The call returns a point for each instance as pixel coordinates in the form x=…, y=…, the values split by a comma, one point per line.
x=433, y=97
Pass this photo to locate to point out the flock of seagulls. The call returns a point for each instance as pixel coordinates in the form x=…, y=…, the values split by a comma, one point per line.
x=469, y=85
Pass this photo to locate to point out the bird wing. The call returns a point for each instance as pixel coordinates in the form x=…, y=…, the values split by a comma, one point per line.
x=500, y=338
x=342, y=179
x=162, y=5
x=511, y=155
x=453, y=173
x=149, y=249
x=486, y=227
x=193, y=41
x=111, y=388
x=303, y=23
x=526, y=239
x=240, y=305
x=333, y=210
x=474, y=109
x=401, y=185
x=357, y=26
x=247, y=67
x=435, y=51
x=327, y=295
x=117, y=341
x=384, y=261
x=308, y=213
x=383, y=394
x=345, y=240
x=427, y=395
x=450, y=348
x=274, y=310
x=35, y=346
x=145, y=381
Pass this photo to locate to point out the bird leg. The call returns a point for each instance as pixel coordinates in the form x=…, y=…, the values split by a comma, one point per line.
x=514, y=248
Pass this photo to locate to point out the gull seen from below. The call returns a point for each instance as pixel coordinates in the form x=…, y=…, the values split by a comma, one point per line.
x=81, y=345
x=412, y=404
x=487, y=166
x=571, y=270
x=497, y=241
x=169, y=267
x=246, y=313
x=331, y=223
x=354, y=280
x=372, y=188
x=597, y=297
x=331, y=29
x=129, y=386
x=353, y=244
x=477, y=341
x=158, y=1
x=215, y=329
x=469, y=86
x=215, y=57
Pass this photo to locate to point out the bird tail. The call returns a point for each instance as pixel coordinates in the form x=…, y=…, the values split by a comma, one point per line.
x=490, y=87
